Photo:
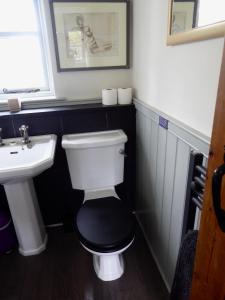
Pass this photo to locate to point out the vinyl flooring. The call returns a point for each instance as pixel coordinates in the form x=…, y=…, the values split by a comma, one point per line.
x=64, y=271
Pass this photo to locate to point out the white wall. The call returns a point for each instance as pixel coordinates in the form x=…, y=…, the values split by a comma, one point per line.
x=82, y=84
x=179, y=80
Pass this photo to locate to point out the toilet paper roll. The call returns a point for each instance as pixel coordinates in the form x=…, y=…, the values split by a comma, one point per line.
x=109, y=96
x=125, y=95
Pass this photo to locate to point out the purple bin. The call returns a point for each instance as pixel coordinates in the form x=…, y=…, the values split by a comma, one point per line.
x=8, y=240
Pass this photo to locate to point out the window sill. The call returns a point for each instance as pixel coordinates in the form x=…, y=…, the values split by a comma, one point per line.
x=47, y=102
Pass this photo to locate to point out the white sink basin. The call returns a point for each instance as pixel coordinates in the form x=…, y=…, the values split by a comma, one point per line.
x=19, y=162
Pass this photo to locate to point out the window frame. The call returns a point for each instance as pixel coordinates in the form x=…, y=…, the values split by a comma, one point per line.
x=47, y=92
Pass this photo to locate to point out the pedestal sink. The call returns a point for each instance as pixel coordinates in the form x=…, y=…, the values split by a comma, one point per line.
x=18, y=165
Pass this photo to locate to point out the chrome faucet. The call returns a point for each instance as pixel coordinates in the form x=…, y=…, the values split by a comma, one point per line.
x=24, y=134
x=1, y=141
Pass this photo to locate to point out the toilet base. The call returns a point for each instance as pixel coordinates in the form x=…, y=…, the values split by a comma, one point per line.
x=108, y=267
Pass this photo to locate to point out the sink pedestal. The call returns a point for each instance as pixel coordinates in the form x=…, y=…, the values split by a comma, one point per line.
x=19, y=164
x=26, y=217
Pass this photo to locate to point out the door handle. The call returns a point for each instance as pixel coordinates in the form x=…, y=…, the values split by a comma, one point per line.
x=216, y=193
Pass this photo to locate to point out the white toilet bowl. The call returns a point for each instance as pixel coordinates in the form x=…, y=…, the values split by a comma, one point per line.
x=105, y=229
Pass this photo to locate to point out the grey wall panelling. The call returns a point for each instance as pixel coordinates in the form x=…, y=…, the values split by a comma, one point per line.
x=162, y=170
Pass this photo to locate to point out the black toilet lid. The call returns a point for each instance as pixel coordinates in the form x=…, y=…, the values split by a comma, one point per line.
x=105, y=225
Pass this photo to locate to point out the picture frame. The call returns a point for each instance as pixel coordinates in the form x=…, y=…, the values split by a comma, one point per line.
x=90, y=35
x=196, y=33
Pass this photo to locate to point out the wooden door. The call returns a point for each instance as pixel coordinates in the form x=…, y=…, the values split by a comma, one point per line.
x=209, y=273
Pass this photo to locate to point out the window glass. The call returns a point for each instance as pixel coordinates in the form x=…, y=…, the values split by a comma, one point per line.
x=23, y=63
x=18, y=15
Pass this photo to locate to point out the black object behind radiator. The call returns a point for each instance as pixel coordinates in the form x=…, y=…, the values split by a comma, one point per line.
x=194, y=199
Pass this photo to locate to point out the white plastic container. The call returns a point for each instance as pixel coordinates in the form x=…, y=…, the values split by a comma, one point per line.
x=124, y=96
x=95, y=159
x=109, y=96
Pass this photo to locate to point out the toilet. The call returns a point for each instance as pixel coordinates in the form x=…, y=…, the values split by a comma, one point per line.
x=104, y=225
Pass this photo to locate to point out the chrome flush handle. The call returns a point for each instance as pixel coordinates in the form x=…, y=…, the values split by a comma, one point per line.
x=122, y=152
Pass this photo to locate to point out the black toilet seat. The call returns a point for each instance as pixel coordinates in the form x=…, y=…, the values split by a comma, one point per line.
x=104, y=225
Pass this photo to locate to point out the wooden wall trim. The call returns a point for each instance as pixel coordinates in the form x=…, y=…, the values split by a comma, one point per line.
x=191, y=136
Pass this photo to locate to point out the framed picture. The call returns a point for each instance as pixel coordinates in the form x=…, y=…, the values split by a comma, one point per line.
x=183, y=16
x=90, y=34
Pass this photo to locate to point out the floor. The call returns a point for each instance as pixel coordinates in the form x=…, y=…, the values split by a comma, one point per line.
x=64, y=272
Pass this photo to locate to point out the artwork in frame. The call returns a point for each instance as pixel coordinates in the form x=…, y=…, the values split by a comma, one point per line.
x=182, y=16
x=90, y=34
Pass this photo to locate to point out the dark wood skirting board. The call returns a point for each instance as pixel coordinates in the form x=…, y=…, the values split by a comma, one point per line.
x=58, y=201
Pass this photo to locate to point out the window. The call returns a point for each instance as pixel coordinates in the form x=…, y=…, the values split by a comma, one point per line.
x=23, y=61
